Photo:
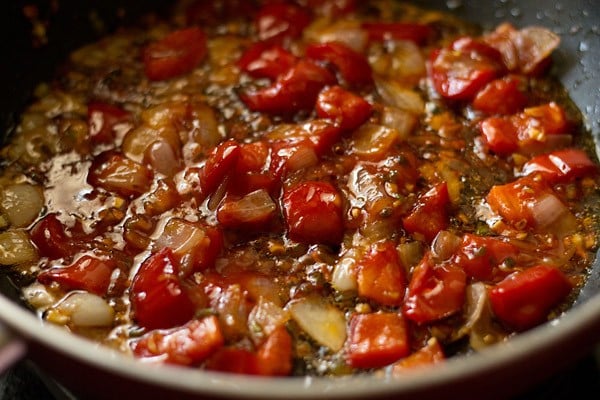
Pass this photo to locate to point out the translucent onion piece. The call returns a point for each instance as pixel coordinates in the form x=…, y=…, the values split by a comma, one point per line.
x=549, y=211
x=85, y=310
x=320, y=320
x=181, y=236
x=22, y=203
x=372, y=141
x=15, y=248
x=347, y=32
x=266, y=316
x=394, y=94
x=444, y=245
x=402, y=121
x=38, y=296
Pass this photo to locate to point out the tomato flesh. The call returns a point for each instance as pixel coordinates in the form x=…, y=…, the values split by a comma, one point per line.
x=380, y=275
x=344, y=107
x=561, y=165
x=430, y=215
x=352, y=66
x=87, y=273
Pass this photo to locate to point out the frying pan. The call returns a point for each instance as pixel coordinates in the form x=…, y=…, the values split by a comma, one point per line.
x=498, y=372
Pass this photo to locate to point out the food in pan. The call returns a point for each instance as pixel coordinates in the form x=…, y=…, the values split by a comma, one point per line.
x=301, y=188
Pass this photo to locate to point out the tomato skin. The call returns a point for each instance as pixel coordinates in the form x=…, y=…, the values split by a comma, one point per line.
x=344, y=107
x=435, y=291
x=430, y=354
x=114, y=172
x=234, y=361
x=219, y=163
x=480, y=256
x=501, y=96
x=550, y=118
x=459, y=72
x=265, y=60
x=87, y=273
x=352, y=65
x=376, y=340
x=561, y=165
x=501, y=135
x=512, y=201
x=280, y=20
x=380, y=275
x=524, y=299
x=378, y=31
x=189, y=344
x=275, y=354
x=50, y=237
x=313, y=213
x=157, y=297
x=430, y=215
x=176, y=54
x=102, y=119
x=296, y=90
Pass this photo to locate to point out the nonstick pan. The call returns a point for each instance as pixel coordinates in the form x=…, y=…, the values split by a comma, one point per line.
x=91, y=372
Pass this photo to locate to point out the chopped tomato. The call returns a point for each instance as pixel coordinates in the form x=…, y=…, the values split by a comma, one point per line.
x=176, y=54
x=431, y=353
x=189, y=344
x=50, y=237
x=275, y=354
x=458, y=73
x=344, y=107
x=313, y=213
x=418, y=33
x=218, y=165
x=87, y=273
x=524, y=299
x=435, y=291
x=157, y=297
x=114, y=172
x=256, y=168
x=561, y=165
x=480, y=256
x=380, y=275
x=376, y=340
x=351, y=65
x=265, y=60
x=103, y=118
x=513, y=201
x=234, y=360
x=501, y=135
x=549, y=118
x=501, y=96
x=430, y=215
x=277, y=21
x=296, y=90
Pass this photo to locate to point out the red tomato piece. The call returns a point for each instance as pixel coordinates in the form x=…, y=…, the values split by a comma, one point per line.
x=176, y=54
x=430, y=214
x=480, y=256
x=524, y=299
x=102, y=120
x=114, y=172
x=380, y=275
x=351, y=65
x=234, y=361
x=218, y=165
x=265, y=60
x=561, y=165
x=281, y=20
x=297, y=90
x=458, y=73
x=548, y=118
x=313, y=213
x=513, y=201
x=501, y=135
x=275, y=354
x=157, y=297
x=376, y=340
x=431, y=353
x=87, y=273
x=501, y=96
x=344, y=107
x=50, y=237
x=435, y=291
x=418, y=33
x=189, y=344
